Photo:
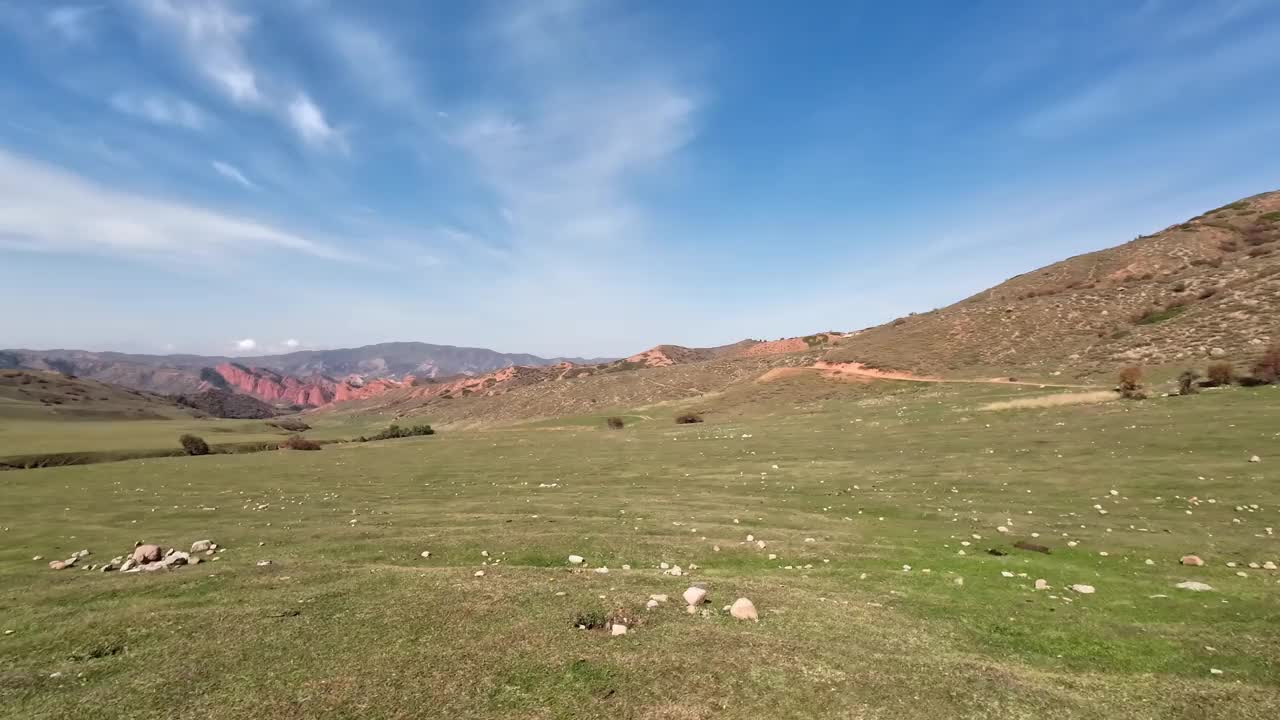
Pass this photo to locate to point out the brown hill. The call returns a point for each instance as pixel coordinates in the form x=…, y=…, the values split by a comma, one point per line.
x=1209, y=287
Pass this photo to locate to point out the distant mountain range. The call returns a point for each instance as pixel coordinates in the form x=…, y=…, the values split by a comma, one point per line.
x=175, y=374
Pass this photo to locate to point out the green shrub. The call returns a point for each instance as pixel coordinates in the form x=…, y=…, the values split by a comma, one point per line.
x=688, y=418
x=395, y=431
x=194, y=445
x=1159, y=315
x=615, y=423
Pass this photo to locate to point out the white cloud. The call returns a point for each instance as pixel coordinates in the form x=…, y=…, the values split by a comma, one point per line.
x=47, y=209
x=246, y=344
x=233, y=174
x=308, y=120
x=211, y=33
x=291, y=343
x=160, y=109
x=71, y=22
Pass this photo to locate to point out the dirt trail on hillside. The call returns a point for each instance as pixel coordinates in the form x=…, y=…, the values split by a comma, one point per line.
x=857, y=372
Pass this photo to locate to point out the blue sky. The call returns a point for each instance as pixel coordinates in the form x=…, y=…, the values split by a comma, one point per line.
x=592, y=178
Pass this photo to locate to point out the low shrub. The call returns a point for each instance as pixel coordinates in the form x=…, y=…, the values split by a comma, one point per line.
x=615, y=423
x=688, y=418
x=395, y=431
x=1187, y=382
x=298, y=442
x=1220, y=373
x=194, y=445
x=1267, y=369
x=1131, y=383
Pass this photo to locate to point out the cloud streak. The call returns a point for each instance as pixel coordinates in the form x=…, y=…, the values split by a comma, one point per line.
x=1148, y=86
x=49, y=210
x=160, y=109
x=233, y=174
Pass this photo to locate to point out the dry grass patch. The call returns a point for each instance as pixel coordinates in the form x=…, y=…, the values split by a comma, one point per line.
x=1058, y=400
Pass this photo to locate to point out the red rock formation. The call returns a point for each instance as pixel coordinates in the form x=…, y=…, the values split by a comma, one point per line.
x=312, y=391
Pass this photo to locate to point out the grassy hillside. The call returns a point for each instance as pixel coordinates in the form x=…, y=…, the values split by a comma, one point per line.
x=37, y=395
x=1210, y=283
x=847, y=484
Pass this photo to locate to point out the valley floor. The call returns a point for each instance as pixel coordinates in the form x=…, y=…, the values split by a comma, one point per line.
x=880, y=502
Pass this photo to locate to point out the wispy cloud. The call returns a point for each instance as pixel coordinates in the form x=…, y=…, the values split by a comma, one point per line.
x=73, y=23
x=246, y=344
x=212, y=35
x=563, y=165
x=233, y=174
x=374, y=61
x=160, y=109
x=49, y=210
x=309, y=122
x=1150, y=85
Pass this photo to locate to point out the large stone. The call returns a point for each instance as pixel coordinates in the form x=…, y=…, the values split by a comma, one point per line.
x=744, y=609
x=1084, y=589
x=618, y=629
x=576, y=559
x=1194, y=586
x=695, y=595
x=1192, y=560
x=1042, y=584
x=1255, y=459
x=57, y=565
x=147, y=553
x=200, y=546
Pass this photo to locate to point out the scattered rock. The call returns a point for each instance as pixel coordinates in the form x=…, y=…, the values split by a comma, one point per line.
x=147, y=553
x=602, y=570
x=695, y=595
x=58, y=565
x=651, y=604
x=1192, y=560
x=200, y=546
x=1032, y=547
x=1084, y=589
x=1215, y=671
x=479, y=573
x=1194, y=586
x=263, y=563
x=425, y=554
x=618, y=629
x=1255, y=459
x=1042, y=584
x=744, y=609
x=1268, y=565
x=129, y=565
x=658, y=598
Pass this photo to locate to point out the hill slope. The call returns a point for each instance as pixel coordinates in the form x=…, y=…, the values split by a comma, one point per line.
x=37, y=395
x=1209, y=287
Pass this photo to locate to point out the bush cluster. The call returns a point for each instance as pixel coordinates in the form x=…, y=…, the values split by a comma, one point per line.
x=194, y=445
x=298, y=442
x=395, y=431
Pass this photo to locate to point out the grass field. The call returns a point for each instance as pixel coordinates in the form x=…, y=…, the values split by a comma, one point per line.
x=846, y=484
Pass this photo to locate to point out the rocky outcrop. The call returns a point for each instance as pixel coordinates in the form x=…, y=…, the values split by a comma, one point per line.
x=312, y=391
